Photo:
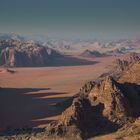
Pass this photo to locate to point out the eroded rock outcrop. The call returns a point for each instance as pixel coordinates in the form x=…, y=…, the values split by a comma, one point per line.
x=21, y=54
x=106, y=106
x=109, y=93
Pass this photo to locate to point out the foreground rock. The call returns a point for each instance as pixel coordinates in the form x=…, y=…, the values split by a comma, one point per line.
x=107, y=107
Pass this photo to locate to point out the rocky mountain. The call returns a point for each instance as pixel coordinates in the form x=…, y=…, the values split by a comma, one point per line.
x=88, y=53
x=15, y=53
x=121, y=47
x=104, y=107
x=9, y=36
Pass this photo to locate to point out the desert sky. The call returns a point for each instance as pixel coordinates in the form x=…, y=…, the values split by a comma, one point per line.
x=98, y=19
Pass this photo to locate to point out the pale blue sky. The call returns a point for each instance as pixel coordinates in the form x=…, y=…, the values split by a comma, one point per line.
x=101, y=19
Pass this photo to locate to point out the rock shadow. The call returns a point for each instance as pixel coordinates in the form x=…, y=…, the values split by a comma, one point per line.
x=22, y=108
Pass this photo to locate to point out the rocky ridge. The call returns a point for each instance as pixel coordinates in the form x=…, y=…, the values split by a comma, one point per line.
x=106, y=107
x=15, y=53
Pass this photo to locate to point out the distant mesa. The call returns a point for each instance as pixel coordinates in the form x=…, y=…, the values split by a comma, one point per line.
x=15, y=53
x=94, y=53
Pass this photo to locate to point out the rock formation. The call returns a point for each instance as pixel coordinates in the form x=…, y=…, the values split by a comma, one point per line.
x=88, y=53
x=121, y=65
x=107, y=106
x=14, y=53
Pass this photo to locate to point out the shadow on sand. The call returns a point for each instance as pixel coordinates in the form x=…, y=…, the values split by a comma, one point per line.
x=21, y=108
x=68, y=60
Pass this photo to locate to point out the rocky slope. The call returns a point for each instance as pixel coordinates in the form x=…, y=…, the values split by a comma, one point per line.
x=21, y=54
x=108, y=106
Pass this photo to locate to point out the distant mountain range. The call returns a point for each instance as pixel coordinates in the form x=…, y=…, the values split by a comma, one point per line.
x=17, y=53
x=120, y=46
x=114, y=47
x=5, y=36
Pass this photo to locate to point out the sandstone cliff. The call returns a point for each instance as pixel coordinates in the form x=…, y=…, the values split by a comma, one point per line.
x=14, y=53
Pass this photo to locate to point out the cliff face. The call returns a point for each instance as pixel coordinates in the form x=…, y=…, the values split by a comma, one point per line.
x=115, y=105
x=15, y=53
x=7, y=57
x=102, y=107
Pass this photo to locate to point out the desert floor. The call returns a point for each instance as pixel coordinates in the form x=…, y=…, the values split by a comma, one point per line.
x=28, y=97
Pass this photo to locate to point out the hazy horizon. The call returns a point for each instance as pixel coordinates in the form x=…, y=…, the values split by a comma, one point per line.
x=85, y=19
